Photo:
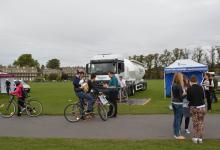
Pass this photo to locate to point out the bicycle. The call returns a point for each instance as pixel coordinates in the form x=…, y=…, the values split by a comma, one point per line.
x=72, y=111
x=33, y=107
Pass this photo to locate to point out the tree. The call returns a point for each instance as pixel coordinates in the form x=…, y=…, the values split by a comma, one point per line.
x=26, y=60
x=186, y=53
x=167, y=58
x=207, y=59
x=198, y=55
x=157, y=65
x=177, y=54
x=64, y=76
x=212, y=57
x=42, y=67
x=218, y=52
x=53, y=64
x=149, y=62
x=141, y=58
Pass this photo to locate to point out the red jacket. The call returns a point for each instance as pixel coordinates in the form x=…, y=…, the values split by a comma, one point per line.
x=18, y=91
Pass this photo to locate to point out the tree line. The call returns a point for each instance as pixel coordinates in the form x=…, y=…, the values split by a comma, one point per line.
x=26, y=60
x=156, y=62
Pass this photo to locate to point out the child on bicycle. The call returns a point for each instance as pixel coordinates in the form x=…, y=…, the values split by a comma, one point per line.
x=18, y=92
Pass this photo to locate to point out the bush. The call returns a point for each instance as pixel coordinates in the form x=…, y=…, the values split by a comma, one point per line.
x=53, y=76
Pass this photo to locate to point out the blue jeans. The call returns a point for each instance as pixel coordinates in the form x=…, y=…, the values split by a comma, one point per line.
x=89, y=98
x=178, y=112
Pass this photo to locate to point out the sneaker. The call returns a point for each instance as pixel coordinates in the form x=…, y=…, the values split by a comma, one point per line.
x=200, y=141
x=22, y=110
x=187, y=131
x=195, y=140
x=179, y=137
x=88, y=112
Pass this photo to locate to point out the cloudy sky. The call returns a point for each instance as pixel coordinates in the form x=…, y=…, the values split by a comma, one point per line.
x=75, y=30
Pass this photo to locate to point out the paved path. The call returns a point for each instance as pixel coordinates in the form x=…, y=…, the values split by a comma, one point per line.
x=124, y=127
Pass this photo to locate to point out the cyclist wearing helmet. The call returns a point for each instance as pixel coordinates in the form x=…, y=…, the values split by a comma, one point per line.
x=18, y=93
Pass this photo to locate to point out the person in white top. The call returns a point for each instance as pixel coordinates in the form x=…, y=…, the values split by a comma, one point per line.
x=123, y=93
x=208, y=84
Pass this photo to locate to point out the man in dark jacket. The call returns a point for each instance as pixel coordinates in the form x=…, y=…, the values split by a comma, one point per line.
x=81, y=94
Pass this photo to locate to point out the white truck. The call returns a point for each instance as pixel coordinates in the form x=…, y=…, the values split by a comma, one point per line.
x=131, y=70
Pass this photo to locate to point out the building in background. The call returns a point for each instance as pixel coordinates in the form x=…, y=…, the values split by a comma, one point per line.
x=49, y=71
x=32, y=73
x=21, y=73
x=70, y=71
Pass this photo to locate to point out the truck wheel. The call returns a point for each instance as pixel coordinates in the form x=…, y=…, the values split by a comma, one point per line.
x=144, y=87
x=128, y=89
x=132, y=90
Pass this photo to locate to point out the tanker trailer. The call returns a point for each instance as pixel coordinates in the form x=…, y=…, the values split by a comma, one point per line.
x=131, y=70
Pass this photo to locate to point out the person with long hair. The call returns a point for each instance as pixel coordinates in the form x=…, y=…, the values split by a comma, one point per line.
x=196, y=96
x=177, y=103
x=186, y=109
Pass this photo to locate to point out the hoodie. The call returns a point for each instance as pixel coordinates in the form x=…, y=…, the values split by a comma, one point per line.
x=18, y=91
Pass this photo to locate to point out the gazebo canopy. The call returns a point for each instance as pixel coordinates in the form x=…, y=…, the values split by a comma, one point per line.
x=188, y=67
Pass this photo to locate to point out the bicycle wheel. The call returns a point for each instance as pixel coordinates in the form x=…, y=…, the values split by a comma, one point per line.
x=7, y=109
x=107, y=107
x=34, y=108
x=102, y=112
x=72, y=112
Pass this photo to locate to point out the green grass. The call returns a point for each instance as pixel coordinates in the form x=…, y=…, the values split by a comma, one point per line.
x=55, y=96
x=66, y=144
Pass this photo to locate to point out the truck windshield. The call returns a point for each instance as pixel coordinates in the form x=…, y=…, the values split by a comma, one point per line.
x=103, y=68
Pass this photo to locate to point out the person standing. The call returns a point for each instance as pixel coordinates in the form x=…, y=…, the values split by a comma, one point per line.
x=186, y=109
x=8, y=86
x=177, y=104
x=207, y=83
x=123, y=93
x=195, y=95
x=113, y=87
x=215, y=81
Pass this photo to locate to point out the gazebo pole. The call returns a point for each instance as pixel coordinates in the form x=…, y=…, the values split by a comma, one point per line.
x=164, y=85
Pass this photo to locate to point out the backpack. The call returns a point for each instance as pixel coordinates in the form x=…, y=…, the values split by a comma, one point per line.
x=24, y=93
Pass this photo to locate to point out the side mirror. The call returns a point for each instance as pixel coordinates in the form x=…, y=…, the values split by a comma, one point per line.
x=88, y=70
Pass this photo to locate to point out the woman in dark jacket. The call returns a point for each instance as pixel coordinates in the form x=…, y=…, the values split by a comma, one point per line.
x=196, y=96
x=177, y=104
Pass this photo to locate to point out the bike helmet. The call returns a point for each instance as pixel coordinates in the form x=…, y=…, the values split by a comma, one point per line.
x=17, y=82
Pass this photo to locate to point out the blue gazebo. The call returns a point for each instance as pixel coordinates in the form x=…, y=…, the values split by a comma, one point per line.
x=188, y=67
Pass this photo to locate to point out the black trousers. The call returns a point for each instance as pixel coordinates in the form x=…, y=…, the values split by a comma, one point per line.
x=213, y=96
x=208, y=98
x=20, y=105
x=113, y=100
x=187, y=120
x=112, y=97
